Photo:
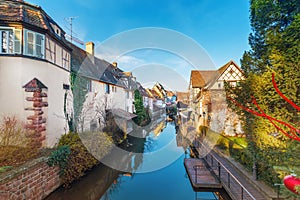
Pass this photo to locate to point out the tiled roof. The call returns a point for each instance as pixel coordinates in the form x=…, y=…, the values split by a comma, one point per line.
x=197, y=79
x=150, y=94
x=99, y=70
x=35, y=83
x=27, y=14
x=142, y=90
x=181, y=96
x=202, y=78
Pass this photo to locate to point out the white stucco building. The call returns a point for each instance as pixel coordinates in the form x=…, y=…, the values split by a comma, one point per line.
x=34, y=70
x=108, y=89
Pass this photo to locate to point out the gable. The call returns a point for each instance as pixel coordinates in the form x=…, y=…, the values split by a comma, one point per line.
x=231, y=73
x=35, y=84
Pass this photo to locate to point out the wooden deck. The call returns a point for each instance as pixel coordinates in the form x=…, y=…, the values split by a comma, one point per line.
x=200, y=175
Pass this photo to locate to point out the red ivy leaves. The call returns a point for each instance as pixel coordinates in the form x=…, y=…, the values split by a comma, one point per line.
x=294, y=133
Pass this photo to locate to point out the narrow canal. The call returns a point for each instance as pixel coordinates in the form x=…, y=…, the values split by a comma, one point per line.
x=157, y=173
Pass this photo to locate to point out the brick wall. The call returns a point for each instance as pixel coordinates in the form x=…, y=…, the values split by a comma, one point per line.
x=34, y=180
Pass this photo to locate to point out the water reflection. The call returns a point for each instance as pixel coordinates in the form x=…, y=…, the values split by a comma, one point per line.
x=170, y=182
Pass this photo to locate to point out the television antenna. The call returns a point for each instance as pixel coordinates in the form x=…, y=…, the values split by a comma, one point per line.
x=71, y=37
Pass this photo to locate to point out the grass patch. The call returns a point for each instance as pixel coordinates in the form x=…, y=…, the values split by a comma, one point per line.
x=5, y=168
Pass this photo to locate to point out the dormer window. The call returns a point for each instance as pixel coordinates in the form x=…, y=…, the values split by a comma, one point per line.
x=34, y=44
x=56, y=29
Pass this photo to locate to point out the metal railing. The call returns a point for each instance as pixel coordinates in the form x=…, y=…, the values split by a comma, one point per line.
x=232, y=185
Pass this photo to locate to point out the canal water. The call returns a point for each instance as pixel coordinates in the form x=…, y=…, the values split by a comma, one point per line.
x=156, y=173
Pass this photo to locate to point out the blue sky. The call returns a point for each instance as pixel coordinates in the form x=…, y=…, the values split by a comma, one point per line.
x=220, y=27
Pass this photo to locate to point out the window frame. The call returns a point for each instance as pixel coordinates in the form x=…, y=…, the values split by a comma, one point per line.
x=34, y=43
x=65, y=59
x=107, y=88
x=8, y=31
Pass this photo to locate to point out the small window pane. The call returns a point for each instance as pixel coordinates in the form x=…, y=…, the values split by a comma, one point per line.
x=38, y=50
x=4, y=42
x=10, y=42
x=30, y=43
x=39, y=39
x=30, y=37
x=17, y=45
x=30, y=49
x=107, y=89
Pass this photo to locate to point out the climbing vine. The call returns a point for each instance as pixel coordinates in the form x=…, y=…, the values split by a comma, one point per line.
x=79, y=89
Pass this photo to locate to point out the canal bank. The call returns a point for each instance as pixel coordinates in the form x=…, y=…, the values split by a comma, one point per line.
x=167, y=182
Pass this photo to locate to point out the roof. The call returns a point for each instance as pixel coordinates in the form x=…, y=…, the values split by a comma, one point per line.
x=196, y=79
x=99, y=70
x=142, y=90
x=12, y=11
x=182, y=96
x=202, y=78
x=122, y=114
x=150, y=94
x=170, y=93
x=35, y=83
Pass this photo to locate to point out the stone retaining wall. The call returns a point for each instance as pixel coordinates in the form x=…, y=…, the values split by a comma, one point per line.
x=34, y=180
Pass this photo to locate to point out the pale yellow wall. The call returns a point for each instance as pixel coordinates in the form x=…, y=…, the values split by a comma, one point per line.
x=15, y=72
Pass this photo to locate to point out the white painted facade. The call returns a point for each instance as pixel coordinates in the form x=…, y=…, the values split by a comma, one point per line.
x=98, y=100
x=15, y=72
x=30, y=51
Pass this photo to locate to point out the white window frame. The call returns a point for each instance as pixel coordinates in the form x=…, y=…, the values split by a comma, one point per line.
x=8, y=30
x=35, y=45
x=19, y=40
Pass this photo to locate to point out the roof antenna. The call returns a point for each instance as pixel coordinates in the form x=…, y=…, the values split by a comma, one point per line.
x=71, y=37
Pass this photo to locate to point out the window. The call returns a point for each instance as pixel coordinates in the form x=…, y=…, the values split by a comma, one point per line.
x=34, y=44
x=89, y=85
x=127, y=94
x=66, y=59
x=232, y=83
x=107, y=89
x=18, y=40
x=10, y=40
x=50, y=50
x=6, y=41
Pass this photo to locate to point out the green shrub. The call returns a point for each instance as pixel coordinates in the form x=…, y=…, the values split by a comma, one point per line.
x=60, y=157
x=79, y=160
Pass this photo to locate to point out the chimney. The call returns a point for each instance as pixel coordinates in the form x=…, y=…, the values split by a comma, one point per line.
x=115, y=64
x=89, y=48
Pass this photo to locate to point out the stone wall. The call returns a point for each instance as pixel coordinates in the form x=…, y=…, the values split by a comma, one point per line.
x=34, y=180
x=223, y=119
